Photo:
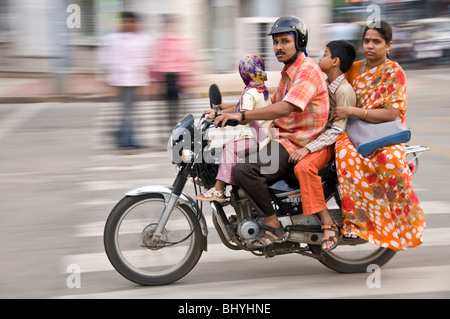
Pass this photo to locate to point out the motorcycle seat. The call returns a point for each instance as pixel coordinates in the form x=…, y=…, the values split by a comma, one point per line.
x=290, y=183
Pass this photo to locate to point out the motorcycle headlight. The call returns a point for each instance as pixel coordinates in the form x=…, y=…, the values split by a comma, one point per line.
x=187, y=156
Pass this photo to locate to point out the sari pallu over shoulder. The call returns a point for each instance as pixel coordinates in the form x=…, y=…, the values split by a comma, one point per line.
x=381, y=86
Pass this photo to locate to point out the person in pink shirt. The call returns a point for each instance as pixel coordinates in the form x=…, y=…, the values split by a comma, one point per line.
x=171, y=64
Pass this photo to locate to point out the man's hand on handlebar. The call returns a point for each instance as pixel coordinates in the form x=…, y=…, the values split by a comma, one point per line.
x=224, y=119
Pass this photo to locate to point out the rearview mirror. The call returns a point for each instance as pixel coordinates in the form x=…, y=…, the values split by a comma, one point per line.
x=215, y=98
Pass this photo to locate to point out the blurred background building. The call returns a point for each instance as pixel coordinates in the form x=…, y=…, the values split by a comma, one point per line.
x=47, y=36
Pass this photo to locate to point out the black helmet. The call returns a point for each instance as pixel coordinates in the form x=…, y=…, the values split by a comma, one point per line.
x=292, y=24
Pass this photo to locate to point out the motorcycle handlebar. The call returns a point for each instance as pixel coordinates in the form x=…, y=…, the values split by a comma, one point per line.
x=228, y=123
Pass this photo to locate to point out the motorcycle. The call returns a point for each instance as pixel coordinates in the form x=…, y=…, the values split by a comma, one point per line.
x=156, y=234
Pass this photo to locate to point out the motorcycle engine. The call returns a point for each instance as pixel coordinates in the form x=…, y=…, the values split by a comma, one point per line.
x=248, y=229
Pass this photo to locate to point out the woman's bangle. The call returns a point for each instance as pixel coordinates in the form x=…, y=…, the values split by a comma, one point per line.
x=243, y=115
x=365, y=114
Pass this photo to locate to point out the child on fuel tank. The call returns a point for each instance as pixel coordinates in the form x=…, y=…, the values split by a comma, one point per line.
x=254, y=135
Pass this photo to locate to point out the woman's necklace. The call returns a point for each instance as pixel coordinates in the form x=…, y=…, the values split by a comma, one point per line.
x=364, y=66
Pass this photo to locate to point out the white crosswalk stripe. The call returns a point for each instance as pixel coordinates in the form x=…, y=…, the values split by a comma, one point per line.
x=93, y=262
x=150, y=125
x=150, y=121
x=418, y=278
x=411, y=280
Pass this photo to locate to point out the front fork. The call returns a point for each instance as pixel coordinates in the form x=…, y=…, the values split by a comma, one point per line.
x=173, y=199
x=177, y=189
x=173, y=196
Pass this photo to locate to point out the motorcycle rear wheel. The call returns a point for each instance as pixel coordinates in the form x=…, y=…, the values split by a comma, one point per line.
x=347, y=258
x=353, y=259
x=128, y=245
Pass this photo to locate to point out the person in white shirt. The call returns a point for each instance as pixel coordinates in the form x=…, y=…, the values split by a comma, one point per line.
x=126, y=58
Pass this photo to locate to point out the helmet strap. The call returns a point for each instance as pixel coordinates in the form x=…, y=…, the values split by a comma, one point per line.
x=293, y=58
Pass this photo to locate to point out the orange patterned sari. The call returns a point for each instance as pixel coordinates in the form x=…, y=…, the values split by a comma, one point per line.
x=378, y=201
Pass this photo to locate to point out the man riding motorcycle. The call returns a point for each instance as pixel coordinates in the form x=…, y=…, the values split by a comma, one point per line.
x=300, y=112
x=169, y=229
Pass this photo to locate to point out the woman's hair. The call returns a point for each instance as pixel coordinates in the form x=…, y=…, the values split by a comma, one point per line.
x=385, y=30
x=129, y=15
x=343, y=50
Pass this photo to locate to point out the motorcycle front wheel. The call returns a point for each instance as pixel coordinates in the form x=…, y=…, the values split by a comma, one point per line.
x=130, y=249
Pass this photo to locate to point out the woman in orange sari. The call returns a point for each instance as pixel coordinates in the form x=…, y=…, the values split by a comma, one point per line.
x=378, y=202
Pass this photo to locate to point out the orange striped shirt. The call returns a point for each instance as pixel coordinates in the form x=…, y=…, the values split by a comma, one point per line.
x=303, y=85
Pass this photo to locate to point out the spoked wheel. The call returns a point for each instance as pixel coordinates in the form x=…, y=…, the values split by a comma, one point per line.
x=350, y=256
x=131, y=250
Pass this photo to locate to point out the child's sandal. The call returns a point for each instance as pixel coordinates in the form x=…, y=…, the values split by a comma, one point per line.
x=210, y=195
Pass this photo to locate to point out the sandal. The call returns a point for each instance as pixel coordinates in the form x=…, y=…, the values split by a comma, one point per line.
x=350, y=236
x=334, y=238
x=279, y=232
x=210, y=195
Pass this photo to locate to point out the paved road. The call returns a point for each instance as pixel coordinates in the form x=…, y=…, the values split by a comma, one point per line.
x=60, y=176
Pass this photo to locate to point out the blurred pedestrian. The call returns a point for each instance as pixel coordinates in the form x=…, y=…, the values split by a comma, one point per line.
x=126, y=57
x=172, y=65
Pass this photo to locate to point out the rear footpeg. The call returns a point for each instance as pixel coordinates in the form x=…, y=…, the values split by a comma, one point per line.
x=272, y=251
